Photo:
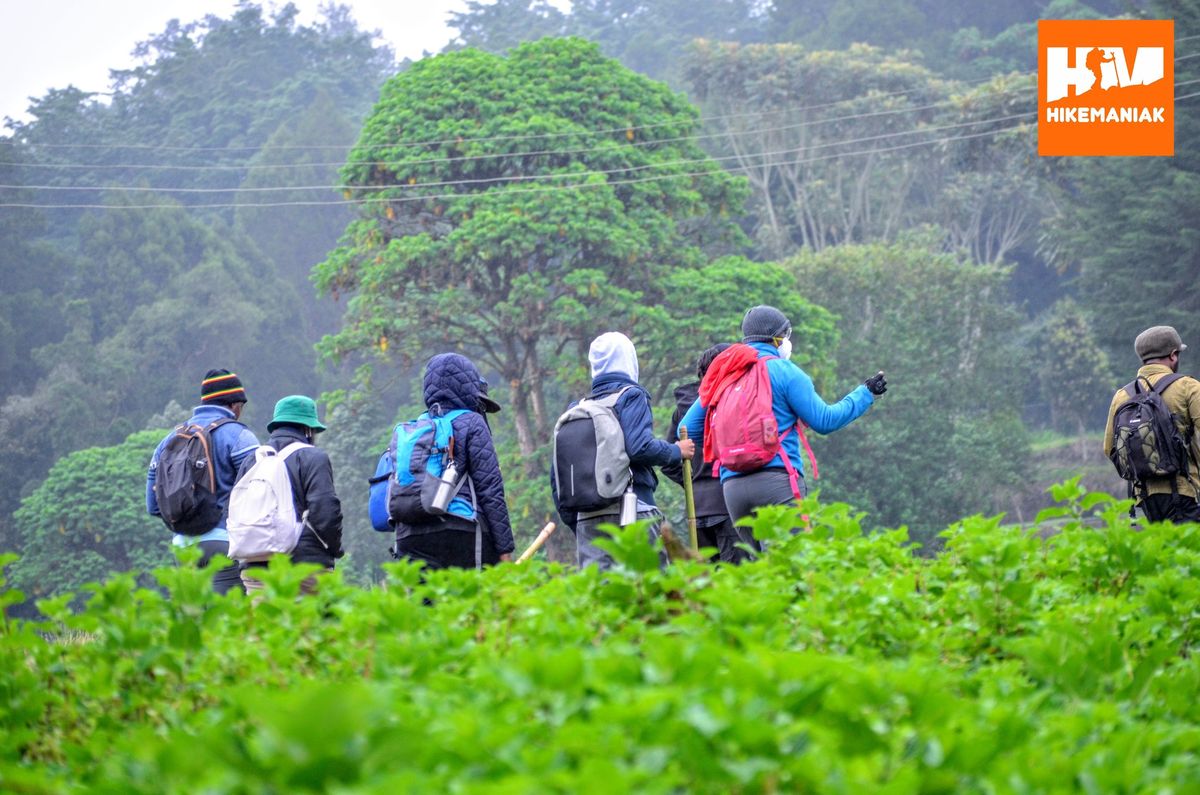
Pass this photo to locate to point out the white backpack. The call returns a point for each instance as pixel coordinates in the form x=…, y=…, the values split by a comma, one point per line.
x=262, y=513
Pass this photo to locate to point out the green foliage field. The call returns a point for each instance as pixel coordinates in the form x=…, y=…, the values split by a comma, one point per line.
x=841, y=662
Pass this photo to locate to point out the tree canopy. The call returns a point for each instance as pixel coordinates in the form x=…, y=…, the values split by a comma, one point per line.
x=88, y=520
x=517, y=206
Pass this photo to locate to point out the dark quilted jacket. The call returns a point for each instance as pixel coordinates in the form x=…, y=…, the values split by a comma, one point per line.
x=453, y=382
x=706, y=489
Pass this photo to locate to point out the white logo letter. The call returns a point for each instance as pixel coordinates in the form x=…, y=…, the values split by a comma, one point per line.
x=1059, y=74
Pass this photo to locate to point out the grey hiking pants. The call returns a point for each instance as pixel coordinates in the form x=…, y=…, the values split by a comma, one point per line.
x=746, y=493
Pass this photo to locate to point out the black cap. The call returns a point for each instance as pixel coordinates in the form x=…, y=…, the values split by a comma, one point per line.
x=486, y=404
x=764, y=324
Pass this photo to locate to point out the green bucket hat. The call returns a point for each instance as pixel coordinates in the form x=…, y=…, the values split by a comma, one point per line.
x=295, y=410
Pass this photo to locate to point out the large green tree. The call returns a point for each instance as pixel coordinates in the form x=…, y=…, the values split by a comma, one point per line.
x=516, y=206
x=861, y=144
x=88, y=520
x=812, y=131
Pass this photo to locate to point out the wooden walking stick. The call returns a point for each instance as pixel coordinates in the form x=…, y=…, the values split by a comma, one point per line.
x=688, y=498
x=537, y=542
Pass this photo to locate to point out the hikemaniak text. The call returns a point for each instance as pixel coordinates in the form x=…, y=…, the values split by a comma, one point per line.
x=1086, y=115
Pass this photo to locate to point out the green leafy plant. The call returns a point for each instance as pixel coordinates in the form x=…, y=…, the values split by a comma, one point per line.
x=1019, y=660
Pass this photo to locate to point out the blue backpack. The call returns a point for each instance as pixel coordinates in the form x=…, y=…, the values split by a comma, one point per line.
x=409, y=472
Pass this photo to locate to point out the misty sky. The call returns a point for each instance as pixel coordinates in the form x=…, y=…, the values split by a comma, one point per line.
x=48, y=44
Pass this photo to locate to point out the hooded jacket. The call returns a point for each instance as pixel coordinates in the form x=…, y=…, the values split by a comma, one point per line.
x=453, y=382
x=614, y=367
x=311, y=474
x=706, y=490
x=793, y=399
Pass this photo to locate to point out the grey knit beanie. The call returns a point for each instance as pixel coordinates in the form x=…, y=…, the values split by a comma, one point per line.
x=763, y=324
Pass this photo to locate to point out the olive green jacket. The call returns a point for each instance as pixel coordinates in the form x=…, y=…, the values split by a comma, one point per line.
x=1182, y=398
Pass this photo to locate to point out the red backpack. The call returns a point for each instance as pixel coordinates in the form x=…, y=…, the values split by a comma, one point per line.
x=744, y=432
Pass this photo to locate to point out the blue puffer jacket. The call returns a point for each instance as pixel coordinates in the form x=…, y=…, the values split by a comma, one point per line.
x=453, y=382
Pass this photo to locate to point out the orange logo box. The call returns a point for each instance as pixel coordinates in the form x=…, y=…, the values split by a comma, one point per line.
x=1106, y=87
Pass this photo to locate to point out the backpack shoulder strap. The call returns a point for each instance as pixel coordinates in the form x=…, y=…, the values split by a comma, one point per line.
x=212, y=426
x=610, y=400
x=1161, y=384
x=291, y=448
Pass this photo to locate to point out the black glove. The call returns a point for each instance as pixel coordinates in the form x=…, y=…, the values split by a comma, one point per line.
x=877, y=383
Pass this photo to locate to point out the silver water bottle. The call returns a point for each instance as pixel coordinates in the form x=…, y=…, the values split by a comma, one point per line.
x=445, y=489
x=628, y=507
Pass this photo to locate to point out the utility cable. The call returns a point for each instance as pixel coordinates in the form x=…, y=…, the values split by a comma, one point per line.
x=529, y=177
x=515, y=191
x=490, y=156
x=528, y=136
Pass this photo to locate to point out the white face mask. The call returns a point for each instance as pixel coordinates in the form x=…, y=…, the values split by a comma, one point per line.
x=785, y=349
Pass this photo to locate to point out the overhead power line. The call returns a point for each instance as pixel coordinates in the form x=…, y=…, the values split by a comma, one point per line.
x=530, y=136
x=545, y=135
x=733, y=169
x=517, y=191
x=524, y=136
x=497, y=155
x=489, y=156
x=527, y=177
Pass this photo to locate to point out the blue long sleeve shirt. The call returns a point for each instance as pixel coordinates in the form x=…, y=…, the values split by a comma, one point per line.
x=793, y=399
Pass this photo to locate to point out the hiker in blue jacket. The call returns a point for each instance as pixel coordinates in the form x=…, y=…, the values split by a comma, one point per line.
x=453, y=382
x=793, y=399
x=614, y=366
x=222, y=397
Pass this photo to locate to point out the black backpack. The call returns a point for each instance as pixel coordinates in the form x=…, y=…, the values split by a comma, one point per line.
x=185, y=482
x=1146, y=442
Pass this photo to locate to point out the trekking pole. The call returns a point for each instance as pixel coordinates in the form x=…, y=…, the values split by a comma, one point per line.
x=688, y=498
x=537, y=542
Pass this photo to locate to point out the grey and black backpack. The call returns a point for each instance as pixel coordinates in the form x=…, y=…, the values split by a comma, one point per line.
x=185, y=480
x=1146, y=443
x=591, y=467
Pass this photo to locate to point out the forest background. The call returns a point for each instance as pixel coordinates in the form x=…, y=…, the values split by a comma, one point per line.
x=288, y=201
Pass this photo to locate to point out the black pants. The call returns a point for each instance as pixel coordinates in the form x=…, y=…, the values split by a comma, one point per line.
x=445, y=549
x=719, y=532
x=1171, y=508
x=226, y=579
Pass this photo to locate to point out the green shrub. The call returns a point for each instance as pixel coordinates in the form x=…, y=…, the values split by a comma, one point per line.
x=88, y=520
x=839, y=662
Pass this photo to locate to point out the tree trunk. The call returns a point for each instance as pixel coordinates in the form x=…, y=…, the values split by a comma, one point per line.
x=520, y=408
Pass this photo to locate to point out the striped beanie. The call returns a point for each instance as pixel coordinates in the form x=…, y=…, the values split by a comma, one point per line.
x=221, y=386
